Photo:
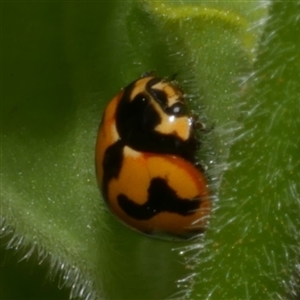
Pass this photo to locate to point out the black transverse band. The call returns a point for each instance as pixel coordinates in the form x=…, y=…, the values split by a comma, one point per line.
x=161, y=198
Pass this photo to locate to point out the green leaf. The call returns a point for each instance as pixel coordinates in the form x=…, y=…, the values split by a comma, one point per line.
x=63, y=62
x=254, y=238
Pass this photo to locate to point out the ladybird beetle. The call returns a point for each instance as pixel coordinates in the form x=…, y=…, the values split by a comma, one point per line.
x=145, y=161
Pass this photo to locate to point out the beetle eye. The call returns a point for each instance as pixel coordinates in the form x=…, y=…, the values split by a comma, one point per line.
x=178, y=109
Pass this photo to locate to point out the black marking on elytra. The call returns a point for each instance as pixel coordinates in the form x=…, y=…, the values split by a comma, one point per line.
x=136, y=120
x=112, y=164
x=161, y=198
